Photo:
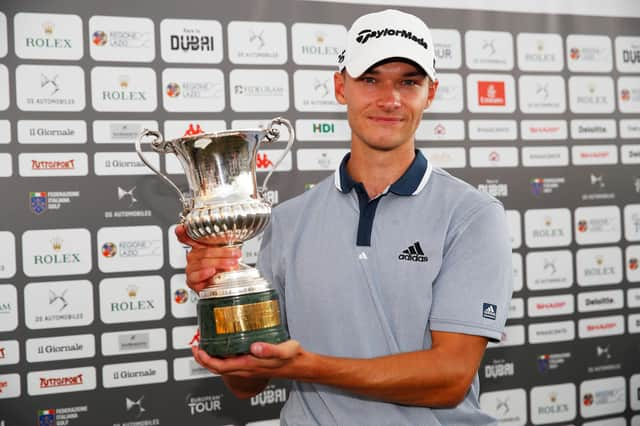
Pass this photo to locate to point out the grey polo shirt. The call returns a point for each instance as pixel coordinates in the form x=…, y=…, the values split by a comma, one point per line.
x=365, y=278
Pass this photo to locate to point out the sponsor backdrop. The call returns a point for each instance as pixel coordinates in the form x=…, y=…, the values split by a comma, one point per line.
x=541, y=111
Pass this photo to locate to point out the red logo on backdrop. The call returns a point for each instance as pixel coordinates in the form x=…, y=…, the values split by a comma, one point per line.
x=440, y=129
x=193, y=130
x=4, y=385
x=625, y=94
x=633, y=263
x=262, y=161
x=582, y=225
x=61, y=381
x=2, y=355
x=491, y=93
x=574, y=53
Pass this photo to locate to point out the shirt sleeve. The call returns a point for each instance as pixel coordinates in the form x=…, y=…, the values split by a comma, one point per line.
x=472, y=292
x=268, y=266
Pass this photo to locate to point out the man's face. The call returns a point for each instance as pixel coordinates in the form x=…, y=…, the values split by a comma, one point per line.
x=385, y=104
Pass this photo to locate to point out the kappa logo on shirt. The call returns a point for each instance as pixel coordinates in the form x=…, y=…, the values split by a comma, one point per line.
x=489, y=311
x=413, y=253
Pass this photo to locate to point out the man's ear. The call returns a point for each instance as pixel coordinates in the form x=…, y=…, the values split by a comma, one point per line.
x=433, y=87
x=338, y=86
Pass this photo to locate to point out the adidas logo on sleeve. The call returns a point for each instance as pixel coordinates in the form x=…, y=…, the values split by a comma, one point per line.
x=413, y=253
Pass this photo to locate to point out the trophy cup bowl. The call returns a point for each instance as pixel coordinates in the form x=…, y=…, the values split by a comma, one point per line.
x=225, y=207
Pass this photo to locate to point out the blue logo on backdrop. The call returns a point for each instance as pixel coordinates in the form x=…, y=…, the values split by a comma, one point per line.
x=38, y=201
x=489, y=311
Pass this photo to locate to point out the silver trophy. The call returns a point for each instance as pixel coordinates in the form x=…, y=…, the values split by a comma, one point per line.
x=225, y=207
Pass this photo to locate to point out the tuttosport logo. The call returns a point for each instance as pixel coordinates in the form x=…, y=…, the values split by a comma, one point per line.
x=367, y=34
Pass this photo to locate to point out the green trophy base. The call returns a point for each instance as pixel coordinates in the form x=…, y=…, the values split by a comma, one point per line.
x=229, y=325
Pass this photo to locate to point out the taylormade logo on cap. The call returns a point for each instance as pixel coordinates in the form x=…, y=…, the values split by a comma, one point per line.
x=378, y=36
x=365, y=35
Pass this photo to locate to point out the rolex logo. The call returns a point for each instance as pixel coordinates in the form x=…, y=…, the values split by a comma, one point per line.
x=132, y=291
x=320, y=38
x=56, y=243
x=592, y=87
x=547, y=221
x=124, y=81
x=553, y=397
x=599, y=260
x=540, y=45
x=48, y=28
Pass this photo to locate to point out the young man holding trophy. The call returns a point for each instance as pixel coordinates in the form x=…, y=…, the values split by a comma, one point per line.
x=392, y=275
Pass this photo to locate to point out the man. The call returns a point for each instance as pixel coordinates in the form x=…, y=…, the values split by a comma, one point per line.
x=393, y=274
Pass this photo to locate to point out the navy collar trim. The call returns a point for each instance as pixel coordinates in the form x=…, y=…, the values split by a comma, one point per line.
x=410, y=183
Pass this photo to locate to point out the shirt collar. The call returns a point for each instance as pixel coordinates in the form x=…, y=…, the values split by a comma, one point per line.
x=410, y=183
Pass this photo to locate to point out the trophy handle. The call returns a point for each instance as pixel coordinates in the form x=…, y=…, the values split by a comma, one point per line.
x=273, y=135
x=159, y=145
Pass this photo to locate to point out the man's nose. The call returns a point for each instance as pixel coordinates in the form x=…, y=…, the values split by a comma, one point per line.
x=388, y=97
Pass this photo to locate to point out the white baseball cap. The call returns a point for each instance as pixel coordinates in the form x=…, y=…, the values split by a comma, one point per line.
x=388, y=34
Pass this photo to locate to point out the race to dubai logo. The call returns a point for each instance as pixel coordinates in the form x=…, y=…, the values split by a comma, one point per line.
x=491, y=93
x=38, y=202
x=191, y=41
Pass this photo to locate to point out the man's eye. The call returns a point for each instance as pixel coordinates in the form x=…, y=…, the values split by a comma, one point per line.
x=409, y=83
x=369, y=80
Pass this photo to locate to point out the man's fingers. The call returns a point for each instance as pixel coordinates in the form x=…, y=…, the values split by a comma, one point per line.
x=285, y=350
x=210, y=252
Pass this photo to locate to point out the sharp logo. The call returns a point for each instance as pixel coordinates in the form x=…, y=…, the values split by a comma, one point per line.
x=413, y=253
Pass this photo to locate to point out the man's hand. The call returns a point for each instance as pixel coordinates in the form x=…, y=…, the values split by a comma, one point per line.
x=264, y=362
x=204, y=261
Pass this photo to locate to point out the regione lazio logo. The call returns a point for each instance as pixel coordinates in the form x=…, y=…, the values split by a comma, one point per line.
x=629, y=94
x=130, y=248
x=317, y=44
x=121, y=39
x=48, y=36
x=184, y=300
x=50, y=88
x=195, y=41
x=56, y=252
x=596, y=225
x=65, y=304
x=489, y=50
x=603, y=396
x=193, y=90
x=547, y=227
x=490, y=93
x=132, y=299
x=589, y=53
x=254, y=42
x=123, y=89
